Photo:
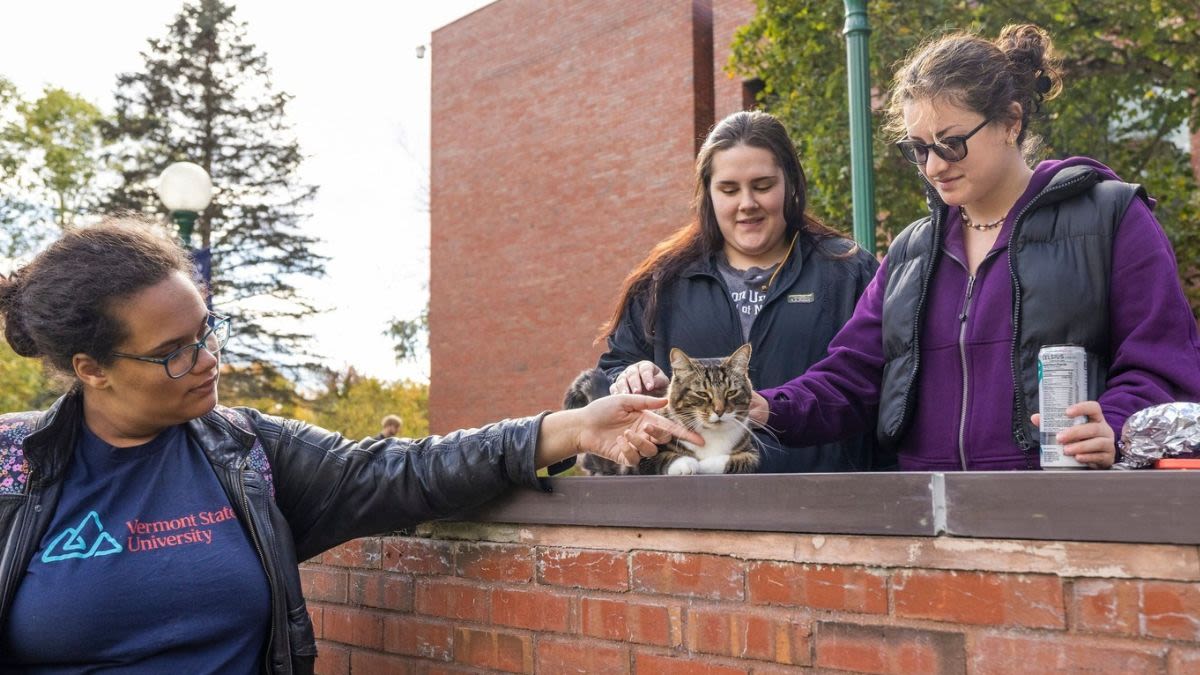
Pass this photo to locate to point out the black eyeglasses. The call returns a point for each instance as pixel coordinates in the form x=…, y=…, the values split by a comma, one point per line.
x=181, y=361
x=950, y=148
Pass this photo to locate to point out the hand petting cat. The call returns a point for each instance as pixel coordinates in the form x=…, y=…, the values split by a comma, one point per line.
x=623, y=429
x=759, y=409
x=642, y=377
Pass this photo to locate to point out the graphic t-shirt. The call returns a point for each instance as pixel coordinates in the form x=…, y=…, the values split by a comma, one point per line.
x=145, y=569
x=747, y=290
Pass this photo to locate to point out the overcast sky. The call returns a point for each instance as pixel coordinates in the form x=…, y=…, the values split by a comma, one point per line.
x=360, y=112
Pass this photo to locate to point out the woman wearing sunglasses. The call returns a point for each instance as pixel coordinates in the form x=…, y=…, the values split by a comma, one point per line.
x=145, y=529
x=941, y=354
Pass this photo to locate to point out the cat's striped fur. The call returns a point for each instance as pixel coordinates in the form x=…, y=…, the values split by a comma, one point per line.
x=709, y=396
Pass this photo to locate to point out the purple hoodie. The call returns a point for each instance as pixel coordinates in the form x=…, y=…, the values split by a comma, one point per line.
x=1155, y=351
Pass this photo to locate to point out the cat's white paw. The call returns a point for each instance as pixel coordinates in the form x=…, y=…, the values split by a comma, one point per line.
x=714, y=464
x=684, y=466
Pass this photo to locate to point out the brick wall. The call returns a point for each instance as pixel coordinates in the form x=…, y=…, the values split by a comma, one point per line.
x=563, y=137
x=728, y=16
x=542, y=599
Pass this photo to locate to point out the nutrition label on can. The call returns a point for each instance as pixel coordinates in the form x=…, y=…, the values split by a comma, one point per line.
x=1062, y=382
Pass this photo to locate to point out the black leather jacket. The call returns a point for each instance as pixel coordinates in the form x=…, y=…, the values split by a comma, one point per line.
x=314, y=491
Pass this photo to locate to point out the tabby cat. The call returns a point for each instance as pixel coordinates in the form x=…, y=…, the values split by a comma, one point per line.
x=710, y=396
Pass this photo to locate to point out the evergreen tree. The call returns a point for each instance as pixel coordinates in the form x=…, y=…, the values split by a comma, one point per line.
x=205, y=96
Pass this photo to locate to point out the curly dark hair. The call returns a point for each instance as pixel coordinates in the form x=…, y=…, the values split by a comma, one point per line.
x=985, y=76
x=61, y=303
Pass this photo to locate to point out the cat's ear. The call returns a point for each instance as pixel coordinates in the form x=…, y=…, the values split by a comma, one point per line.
x=679, y=360
x=740, y=359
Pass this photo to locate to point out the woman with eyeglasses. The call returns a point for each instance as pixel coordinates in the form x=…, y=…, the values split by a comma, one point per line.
x=941, y=354
x=144, y=528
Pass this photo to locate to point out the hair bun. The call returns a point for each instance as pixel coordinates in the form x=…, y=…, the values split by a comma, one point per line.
x=14, y=329
x=1043, y=84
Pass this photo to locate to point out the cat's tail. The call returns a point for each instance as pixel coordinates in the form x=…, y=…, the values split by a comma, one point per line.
x=587, y=387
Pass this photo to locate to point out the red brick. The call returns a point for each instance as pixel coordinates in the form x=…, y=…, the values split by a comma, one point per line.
x=848, y=589
x=645, y=662
x=332, y=659
x=323, y=584
x=1105, y=606
x=889, y=649
x=999, y=653
x=625, y=621
x=562, y=656
x=535, y=610
x=737, y=633
x=385, y=591
x=496, y=650
x=689, y=574
x=1184, y=661
x=452, y=600
x=317, y=614
x=1171, y=610
x=362, y=553
x=495, y=562
x=417, y=556
x=368, y=663
x=579, y=568
x=350, y=626
x=417, y=637
x=1035, y=601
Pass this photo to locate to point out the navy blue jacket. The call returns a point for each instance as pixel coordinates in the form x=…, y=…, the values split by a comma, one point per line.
x=806, y=305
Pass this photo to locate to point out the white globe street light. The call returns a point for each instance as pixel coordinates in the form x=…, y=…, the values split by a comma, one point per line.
x=185, y=189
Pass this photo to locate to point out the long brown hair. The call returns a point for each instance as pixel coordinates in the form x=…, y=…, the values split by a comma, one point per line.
x=702, y=237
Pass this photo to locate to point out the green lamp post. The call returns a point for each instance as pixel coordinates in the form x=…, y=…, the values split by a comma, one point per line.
x=186, y=190
x=862, y=170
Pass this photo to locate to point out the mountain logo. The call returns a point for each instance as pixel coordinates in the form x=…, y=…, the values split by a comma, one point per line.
x=86, y=540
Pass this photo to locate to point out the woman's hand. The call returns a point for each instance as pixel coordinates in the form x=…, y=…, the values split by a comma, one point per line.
x=760, y=410
x=622, y=428
x=1092, y=442
x=642, y=377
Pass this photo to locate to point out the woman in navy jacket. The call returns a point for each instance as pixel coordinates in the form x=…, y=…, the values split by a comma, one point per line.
x=753, y=267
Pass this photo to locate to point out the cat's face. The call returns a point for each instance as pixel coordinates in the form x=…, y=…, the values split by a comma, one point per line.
x=710, y=393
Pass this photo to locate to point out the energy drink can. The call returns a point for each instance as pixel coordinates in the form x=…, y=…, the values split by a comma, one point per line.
x=1062, y=382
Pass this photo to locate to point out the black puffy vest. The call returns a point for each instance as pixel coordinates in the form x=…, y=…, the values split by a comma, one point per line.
x=1060, y=257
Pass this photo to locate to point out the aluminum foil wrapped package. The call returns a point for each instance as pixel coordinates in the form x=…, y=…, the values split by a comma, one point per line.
x=1167, y=430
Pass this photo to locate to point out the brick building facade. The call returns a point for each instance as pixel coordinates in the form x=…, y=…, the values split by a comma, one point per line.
x=563, y=139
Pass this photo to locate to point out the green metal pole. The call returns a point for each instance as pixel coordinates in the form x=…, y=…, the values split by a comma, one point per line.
x=186, y=220
x=862, y=170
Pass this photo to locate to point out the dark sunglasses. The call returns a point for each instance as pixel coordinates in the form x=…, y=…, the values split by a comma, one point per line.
x=950, y=148
x=181, y=361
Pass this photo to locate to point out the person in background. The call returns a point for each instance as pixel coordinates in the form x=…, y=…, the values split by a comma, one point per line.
x=388, y=427
x=144, y=528
x=941, y=354
x=753, y=266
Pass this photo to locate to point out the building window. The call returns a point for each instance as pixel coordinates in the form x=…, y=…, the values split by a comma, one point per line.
x=750, y=92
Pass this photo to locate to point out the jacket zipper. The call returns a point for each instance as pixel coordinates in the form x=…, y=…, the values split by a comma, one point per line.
x=962, y=352
x=254, y=538
x=1020, y=413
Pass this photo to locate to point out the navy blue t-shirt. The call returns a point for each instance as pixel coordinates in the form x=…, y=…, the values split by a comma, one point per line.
x=144, y=569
